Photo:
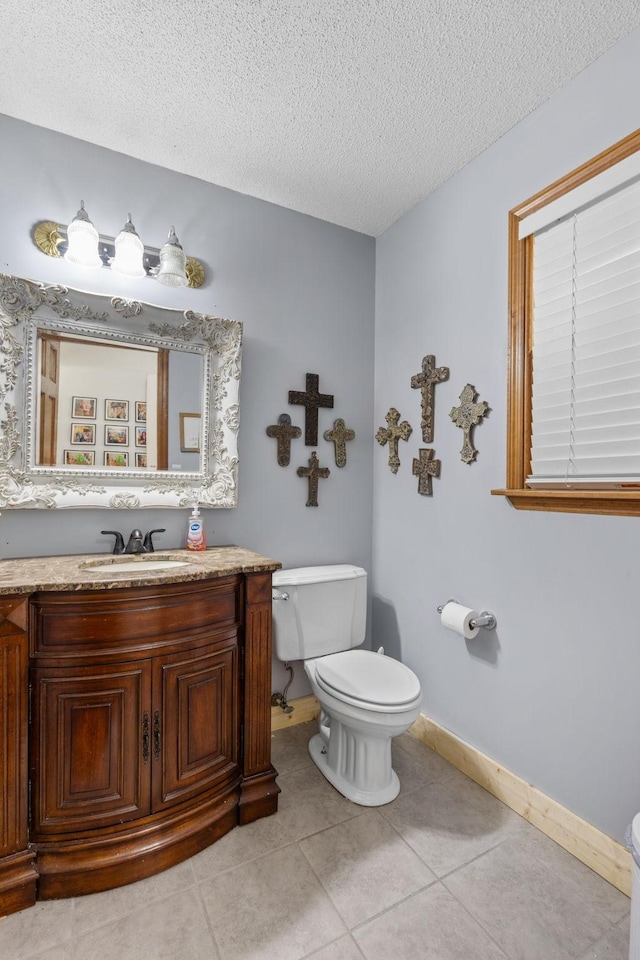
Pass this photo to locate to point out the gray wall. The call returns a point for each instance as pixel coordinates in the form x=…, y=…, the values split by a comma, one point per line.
x=553, y=694
x=304, y=290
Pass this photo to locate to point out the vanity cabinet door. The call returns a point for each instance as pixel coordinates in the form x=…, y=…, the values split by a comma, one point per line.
x=195, y=721
x=91, y=746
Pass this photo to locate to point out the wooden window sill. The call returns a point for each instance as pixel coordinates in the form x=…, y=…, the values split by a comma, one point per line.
x=624, y=503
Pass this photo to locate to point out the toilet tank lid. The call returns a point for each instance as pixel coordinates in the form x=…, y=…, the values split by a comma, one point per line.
x=327, y=573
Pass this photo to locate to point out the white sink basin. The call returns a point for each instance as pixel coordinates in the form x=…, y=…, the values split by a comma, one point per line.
x=141, y=565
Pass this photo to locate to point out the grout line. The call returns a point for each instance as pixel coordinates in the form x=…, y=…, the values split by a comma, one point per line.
x=216, y=945
x=479, y=856
x=392, y=906
x=472, y=916
x=319, y=950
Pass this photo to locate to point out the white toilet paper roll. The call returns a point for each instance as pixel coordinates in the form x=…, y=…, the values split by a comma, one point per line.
x=456, y=617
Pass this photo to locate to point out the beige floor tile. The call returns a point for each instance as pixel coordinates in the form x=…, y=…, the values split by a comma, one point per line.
x=240, y=846
x=55, y=953
x=432, y=925
x=39, y=928
x=365, y=866
x=595, y=891
x=415, y=764
x=307, y=803
x=444, y=829
x=289, y=748
x=613, y=946
x=273, y=907
x=343, y=949
x=171, y=929
x=526, y=905
x=99, y=908
x=435, y=765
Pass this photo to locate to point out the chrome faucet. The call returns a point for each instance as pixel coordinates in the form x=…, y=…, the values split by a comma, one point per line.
x=135, y=543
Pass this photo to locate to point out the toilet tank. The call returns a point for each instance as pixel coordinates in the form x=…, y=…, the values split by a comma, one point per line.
x=326, y=611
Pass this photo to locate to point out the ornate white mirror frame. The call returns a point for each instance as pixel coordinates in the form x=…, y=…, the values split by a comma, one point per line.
x=26, y=309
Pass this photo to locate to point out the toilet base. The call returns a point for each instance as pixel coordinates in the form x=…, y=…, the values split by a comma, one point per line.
x=339, y=751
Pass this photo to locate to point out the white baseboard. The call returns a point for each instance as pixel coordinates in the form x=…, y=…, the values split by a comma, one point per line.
x=605, y=856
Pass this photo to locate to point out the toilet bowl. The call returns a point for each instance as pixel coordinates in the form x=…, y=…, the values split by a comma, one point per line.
x=366, y=698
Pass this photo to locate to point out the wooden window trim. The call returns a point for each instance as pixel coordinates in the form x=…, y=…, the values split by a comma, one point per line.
x=618, y=502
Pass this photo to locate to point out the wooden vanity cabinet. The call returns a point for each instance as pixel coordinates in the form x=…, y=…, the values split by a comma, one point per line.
x=111, y=743
x=150, y=728
x=18, y=875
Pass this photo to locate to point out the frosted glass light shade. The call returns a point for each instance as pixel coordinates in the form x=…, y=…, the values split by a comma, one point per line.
x=173, y=262
x=128, y=261
x=82, y=240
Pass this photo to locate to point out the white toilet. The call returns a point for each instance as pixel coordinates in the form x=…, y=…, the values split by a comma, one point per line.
x=319, y=615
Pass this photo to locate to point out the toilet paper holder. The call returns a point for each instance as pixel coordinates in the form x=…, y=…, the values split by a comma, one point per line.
x=485, y=619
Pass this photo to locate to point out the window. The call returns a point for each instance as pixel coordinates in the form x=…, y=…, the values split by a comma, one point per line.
x=574, y=360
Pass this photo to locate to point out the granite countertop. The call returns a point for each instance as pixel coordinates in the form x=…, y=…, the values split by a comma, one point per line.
x=79, y=572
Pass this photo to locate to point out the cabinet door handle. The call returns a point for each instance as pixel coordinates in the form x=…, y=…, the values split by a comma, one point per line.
x=145, y=737
x=156, y=735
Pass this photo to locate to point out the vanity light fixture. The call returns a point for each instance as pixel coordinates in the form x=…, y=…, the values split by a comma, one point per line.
x=82, y=241
x=129, y=258
x=173, y=263
x=79, y=243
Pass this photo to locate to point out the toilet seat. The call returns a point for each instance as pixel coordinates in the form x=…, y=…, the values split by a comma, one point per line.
x=368, y=680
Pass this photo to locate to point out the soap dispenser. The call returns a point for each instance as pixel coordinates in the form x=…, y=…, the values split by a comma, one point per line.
x=196, y=539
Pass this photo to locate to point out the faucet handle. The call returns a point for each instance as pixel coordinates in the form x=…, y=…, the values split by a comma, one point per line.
x=148, y=542
x=118, y=546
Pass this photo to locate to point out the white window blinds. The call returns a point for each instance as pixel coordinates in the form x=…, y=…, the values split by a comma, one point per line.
x=586, y=346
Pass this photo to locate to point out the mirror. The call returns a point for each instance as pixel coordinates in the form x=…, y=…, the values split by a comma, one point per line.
x=106, y=402
x=103, y=404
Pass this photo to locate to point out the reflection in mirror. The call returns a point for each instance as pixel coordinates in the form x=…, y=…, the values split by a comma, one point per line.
x=103, y=404
x=94, y=392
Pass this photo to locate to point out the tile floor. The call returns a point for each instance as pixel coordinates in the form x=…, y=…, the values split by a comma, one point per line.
x=445, y=872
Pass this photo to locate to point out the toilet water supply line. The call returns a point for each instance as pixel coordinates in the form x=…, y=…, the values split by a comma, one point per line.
x=280, y=699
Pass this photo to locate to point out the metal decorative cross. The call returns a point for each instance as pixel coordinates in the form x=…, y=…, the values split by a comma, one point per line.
x=424, y=469
x=426, y=381
x=392, y=434
x=284, y=434
x=467, y=416
x=312, y=472
x=339, y=435
x=311, y=400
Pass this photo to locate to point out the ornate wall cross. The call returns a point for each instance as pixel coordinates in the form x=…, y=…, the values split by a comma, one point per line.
x=284, y=434
x=392, y=434
x=467, y=416
x=339, y=435
x=426, y=381
x=313, y=472
x=311, y=400
x=424, y=469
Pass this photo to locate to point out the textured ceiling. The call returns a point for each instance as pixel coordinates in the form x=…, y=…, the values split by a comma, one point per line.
x=348, y=110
